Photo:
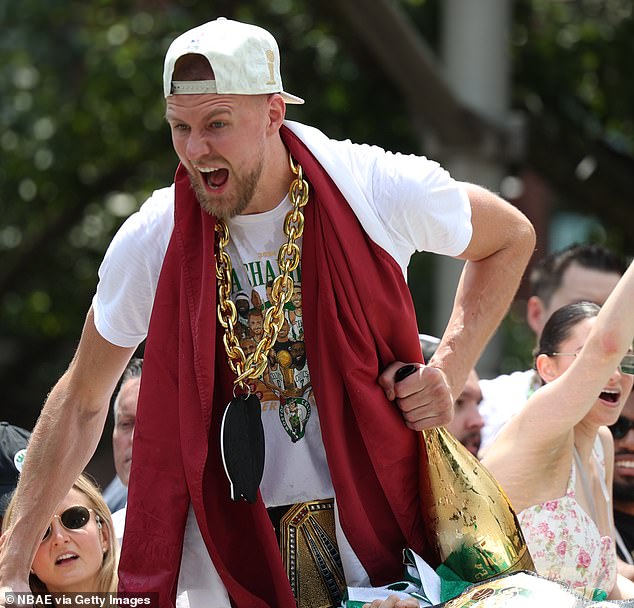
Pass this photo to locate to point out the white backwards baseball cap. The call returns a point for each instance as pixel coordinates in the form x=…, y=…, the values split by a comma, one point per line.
x=245, y=60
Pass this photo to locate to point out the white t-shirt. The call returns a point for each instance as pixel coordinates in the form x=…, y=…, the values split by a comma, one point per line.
x=295, y=462
x=405, y=203
x=502, y=398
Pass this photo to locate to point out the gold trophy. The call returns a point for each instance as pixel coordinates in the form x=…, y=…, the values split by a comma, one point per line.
x=470, y=519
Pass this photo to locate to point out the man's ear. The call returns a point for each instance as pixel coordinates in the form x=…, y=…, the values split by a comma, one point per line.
x=545, y=366
x=277, y=112
x=535, y=310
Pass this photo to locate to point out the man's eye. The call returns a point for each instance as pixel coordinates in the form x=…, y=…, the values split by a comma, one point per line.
x=217, y=124
x=180, y=127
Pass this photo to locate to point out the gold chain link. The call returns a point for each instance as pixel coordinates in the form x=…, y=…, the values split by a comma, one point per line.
x=288, y=257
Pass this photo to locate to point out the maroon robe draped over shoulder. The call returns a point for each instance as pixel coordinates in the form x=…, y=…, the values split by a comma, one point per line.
x=358, y=318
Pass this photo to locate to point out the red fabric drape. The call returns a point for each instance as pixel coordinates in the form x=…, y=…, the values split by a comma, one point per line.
x=358, y=318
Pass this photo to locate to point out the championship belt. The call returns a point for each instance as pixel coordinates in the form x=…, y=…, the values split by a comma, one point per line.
x=308, y=545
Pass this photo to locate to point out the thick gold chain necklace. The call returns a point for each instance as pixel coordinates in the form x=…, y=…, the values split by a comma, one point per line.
x=288, y=257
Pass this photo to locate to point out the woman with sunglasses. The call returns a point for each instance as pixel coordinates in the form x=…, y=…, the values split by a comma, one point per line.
x=555, y=458
x=79, y=551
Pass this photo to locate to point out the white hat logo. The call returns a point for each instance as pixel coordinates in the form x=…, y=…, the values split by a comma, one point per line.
x=270, y=59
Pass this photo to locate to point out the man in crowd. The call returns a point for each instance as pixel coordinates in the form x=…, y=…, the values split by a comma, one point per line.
x=269, y=189
x=125, y=408
x=579, y=272
x=467, y=422
x=124, y=411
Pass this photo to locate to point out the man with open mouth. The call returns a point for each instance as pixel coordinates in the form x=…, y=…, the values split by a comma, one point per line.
x=258, y=198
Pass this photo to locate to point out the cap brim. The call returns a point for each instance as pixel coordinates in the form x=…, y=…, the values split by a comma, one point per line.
x=288, y=98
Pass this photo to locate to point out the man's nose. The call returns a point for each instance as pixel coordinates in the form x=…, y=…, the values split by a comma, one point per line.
x=475, y=421
x=198, y=146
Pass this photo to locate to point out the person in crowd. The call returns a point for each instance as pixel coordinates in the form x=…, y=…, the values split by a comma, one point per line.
x=624, y=484
x=467, y=421
x=13, y=442
x=78, y=551
x=274, y=193
x=124, y=412
x=555, y=457
x=125, y=408
x=580, y=272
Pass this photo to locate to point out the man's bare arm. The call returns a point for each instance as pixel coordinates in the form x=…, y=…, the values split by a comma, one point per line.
x=502, y=243
x=63, y=441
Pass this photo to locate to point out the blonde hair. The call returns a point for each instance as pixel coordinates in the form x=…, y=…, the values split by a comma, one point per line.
x=107, y=577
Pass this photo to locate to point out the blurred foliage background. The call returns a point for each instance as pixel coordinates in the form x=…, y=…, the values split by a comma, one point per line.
x=84, y=142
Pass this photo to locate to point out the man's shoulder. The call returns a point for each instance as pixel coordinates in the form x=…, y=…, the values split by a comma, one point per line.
x=130, y=270
x=331, y=149
x=159, y=205
x=156, y=215
x=115, y=494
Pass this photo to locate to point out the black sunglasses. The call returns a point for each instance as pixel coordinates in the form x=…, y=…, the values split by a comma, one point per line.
x=621, y=427
x=73, y=518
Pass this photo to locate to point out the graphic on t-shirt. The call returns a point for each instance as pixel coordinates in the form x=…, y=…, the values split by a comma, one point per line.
x=283, y=342
x=294, y=415
x=284, y=388
x=243, y=305
x=295, y=316
x=255, y=328
x=286, y=379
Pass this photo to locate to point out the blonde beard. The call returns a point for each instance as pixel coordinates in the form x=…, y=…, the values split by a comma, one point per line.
x=223, y=207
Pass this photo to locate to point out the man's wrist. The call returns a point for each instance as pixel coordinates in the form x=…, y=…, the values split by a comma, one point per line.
x=455, y=376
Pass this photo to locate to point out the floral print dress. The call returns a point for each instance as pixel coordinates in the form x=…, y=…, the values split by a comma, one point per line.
x=565, y=542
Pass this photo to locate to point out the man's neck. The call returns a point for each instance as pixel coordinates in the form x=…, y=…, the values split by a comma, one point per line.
x=275, y=180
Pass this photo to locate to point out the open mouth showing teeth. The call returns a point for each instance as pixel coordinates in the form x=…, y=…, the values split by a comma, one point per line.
x=609, y=396
x=215, y=178
x=67, y=557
